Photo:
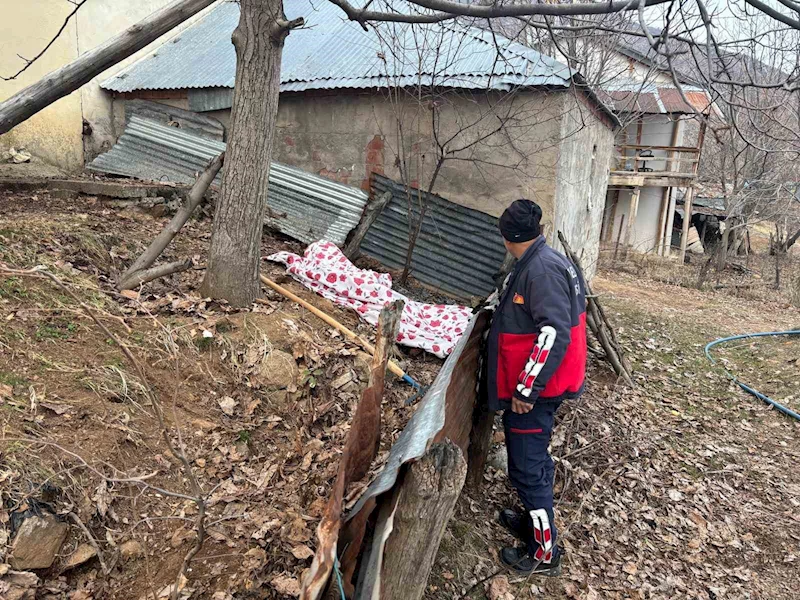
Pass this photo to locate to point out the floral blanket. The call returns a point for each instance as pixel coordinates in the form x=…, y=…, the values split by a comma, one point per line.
x=325, y=270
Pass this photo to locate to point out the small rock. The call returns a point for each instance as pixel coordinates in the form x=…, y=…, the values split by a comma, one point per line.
x=228, y=405
x=498, y=459
x=17, y=585
x=278, y=370
x=37, y=542
x=131, y=550
x=158, y=210
x=82, y=554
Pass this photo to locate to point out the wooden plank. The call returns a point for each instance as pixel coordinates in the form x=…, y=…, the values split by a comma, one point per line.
x=689, y=149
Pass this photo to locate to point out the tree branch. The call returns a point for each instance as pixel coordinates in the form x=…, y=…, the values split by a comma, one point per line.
x=28, y=62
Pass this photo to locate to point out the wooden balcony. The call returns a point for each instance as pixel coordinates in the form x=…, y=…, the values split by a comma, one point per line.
x=640, y=165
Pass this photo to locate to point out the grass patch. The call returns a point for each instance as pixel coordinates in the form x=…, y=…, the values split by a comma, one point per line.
x=11, y=379
x=55, y=331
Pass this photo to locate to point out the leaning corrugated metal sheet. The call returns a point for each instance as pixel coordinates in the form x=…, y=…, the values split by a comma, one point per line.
x=458, y=249
x=314, y=207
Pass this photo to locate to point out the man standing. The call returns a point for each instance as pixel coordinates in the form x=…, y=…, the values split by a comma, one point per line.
x=536, y=357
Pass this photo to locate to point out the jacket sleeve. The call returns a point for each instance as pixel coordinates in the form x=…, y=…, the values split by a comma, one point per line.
x=550, y=306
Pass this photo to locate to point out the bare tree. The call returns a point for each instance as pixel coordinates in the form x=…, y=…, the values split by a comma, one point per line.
x=234, y=255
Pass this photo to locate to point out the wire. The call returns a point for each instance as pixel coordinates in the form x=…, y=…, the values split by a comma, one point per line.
x=338, y=576
x=784, y=409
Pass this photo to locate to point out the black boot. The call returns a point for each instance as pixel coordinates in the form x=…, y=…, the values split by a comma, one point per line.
x=518, y=523
x=520, y=561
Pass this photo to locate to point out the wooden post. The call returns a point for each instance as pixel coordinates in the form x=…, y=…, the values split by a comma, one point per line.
x=687, y=219
x=619, y=235
x=665, y=195
x=634, y=209
x=480, y=442
x=371, y=213
x=427, y=499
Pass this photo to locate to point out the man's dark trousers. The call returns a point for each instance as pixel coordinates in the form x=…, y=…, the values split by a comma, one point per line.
x=530, y=467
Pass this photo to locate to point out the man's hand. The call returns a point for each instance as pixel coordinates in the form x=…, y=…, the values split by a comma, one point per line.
x=520, y=407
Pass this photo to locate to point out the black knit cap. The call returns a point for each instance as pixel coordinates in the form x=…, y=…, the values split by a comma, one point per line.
x=520, y=221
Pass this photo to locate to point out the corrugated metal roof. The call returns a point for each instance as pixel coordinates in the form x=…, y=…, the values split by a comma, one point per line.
x=458, y=249
x=314, y=207
x=332, y=52
x=650, y=98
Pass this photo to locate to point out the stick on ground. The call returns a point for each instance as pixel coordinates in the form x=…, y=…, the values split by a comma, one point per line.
x=132, y=277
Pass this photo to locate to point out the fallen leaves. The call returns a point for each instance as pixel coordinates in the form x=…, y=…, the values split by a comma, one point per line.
x=228, y=405
x=302, y=552
x=286, y=585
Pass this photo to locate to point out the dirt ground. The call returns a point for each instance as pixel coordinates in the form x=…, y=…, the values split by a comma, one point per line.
x=683, y=487
x=261, y=400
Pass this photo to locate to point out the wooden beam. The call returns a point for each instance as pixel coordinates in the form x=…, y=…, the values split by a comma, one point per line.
x=689, y=149
x=687, y=218
x=654, y=179
x=372, y=211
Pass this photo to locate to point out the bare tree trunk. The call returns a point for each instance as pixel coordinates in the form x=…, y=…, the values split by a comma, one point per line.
x=414, y=234
x=234, y=256
x=29, y=101
x=427, y=500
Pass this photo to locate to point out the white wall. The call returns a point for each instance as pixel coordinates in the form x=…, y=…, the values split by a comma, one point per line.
x=56, y=133
x=656, y=130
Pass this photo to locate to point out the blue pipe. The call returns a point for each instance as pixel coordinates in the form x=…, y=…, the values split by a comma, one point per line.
x=411, y=382
x=784, y=409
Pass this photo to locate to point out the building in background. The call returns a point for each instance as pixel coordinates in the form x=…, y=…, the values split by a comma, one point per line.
x=357, y=102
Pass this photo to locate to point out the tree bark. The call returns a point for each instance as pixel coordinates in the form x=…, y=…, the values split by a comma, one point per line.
x=29, y=101
x=144, y=275
x=480, y=442
x=162, y=240
x=371, y=213
x=234, y=257
x=427, y=500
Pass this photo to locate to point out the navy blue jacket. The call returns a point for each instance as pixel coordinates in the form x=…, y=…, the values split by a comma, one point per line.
x=536, y=349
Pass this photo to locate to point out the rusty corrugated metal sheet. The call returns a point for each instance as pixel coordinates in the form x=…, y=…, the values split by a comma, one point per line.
x=647, y=98
x=446, y=412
